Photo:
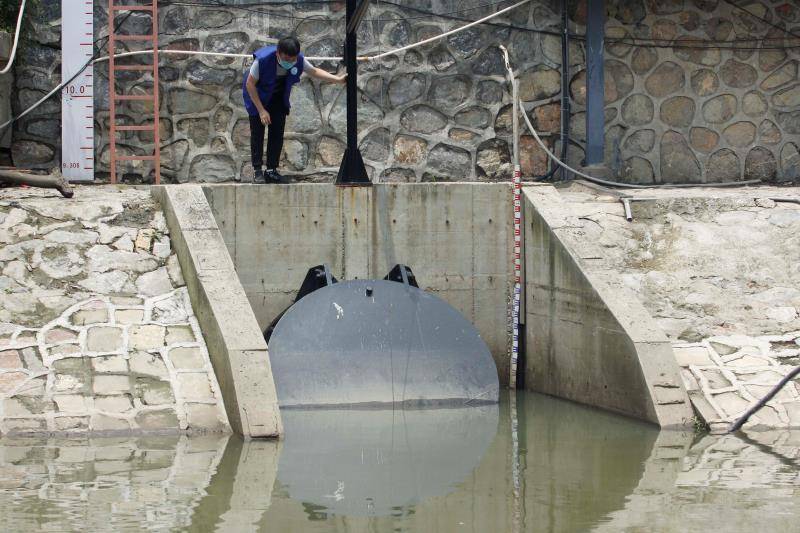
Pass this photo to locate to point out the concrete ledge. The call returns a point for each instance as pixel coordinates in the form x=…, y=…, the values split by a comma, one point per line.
x=588, y=337
x=235, y=342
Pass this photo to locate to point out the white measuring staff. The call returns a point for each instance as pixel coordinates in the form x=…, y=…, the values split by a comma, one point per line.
x=77, y=98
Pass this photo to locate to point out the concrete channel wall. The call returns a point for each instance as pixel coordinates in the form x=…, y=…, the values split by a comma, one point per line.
x=457, y=239
x=588, y=338
x=236, y=346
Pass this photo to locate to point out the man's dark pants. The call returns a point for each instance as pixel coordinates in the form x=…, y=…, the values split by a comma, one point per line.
x=277, y=112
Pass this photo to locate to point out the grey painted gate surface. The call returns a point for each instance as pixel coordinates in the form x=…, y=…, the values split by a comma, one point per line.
x=374, y=342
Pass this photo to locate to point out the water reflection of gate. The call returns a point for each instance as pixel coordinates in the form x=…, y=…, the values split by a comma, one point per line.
x=380, y=462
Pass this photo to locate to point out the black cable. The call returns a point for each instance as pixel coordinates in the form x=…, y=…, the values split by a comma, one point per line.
x=745, y=40
x=217, y=4
x=736, y=426
x=637, y=42
x=281, y=3
x=582, y=37
x=566, y=109
x=431, y=13
x=762, y=19
x=624, y=42
x=698, y=39
x=220, y=3
x=427, y=14
x=447, y=14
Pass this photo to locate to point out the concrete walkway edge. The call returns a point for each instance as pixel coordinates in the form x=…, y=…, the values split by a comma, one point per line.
x=235, y=342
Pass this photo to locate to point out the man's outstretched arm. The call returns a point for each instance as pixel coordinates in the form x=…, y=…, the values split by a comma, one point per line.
x=319, y=74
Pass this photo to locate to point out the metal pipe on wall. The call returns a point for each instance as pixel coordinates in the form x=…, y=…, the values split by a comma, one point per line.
x=565, y=101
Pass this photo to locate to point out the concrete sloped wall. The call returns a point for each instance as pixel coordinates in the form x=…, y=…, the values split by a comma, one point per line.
x=236, y=346
x=457, y=238
x=588, y=338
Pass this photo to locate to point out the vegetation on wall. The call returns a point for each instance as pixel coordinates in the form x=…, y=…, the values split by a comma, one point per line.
x=9, y=11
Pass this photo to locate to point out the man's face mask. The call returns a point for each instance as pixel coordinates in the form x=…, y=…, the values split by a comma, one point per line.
x=286, y=64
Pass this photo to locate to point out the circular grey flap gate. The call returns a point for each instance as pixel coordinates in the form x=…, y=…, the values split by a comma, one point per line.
x=376, y=342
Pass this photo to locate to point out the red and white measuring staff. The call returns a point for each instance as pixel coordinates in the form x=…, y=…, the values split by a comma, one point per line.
x=516, y=303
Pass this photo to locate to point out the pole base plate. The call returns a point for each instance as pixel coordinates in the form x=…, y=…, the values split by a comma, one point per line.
x=352, y=172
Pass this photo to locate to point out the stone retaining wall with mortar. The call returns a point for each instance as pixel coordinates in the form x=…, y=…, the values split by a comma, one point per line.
x=97, y=333
x=442, y=112
x=726, y=375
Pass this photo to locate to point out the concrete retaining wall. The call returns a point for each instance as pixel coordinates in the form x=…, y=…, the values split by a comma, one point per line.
x=235, y=343
x=456, y=238
x=588, y=337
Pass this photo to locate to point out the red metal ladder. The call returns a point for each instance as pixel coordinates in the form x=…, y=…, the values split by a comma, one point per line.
x=113, y=97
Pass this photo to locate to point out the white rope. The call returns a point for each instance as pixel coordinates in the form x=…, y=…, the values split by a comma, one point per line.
x=515, y=104
x=447, y=34
x=602, y=181
x=175, y=52
x=39, y=102
x=552, y=155
x=198, y=53
x=16, y=40
x=546, y=149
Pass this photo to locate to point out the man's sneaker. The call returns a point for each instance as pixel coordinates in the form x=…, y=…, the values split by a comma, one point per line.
x=258, y=176
x=272, y=176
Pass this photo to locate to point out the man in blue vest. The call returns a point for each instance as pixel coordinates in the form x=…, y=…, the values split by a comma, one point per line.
x=266, y=90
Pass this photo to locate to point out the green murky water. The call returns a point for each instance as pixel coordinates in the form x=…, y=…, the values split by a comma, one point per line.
x=533, y=464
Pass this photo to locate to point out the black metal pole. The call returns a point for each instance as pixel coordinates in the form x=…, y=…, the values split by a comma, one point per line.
x=352, y=170
x=595, y=83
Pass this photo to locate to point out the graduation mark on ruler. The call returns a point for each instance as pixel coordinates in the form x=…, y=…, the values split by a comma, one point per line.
x=77, y=98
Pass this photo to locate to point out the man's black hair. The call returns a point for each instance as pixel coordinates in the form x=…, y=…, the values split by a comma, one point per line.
x=289, y=46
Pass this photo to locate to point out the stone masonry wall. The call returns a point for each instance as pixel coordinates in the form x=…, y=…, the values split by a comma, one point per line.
x=442, y=112
x=689, y=115
x=97, y=333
